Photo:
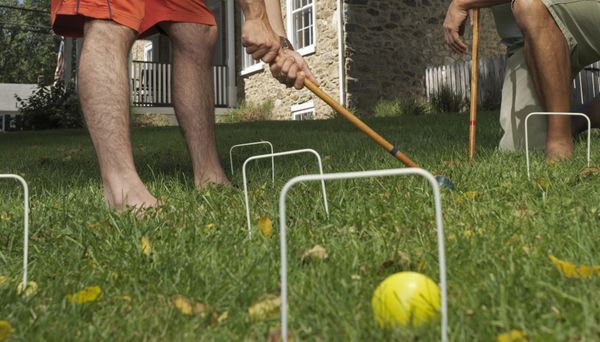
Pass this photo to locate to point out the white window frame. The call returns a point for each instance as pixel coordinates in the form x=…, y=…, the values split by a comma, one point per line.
x=148, y=48
x=291, y=32
x=303, y=108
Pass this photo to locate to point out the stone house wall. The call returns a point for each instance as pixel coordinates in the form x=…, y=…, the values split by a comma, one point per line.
x=260, y=86
x=405, y=36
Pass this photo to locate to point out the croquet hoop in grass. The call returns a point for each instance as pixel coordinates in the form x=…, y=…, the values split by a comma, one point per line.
x=474, y=77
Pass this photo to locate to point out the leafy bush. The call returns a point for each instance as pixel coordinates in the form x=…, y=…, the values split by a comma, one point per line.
x=248, y=111
x=400, y=106
x=447, y=101
x=51, y=107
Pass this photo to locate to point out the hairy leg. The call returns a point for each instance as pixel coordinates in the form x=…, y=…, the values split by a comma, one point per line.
x=104, y=94
x=548, y=59
x=193, y=97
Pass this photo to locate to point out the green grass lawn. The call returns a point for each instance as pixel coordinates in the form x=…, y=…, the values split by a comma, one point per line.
x=500, y=229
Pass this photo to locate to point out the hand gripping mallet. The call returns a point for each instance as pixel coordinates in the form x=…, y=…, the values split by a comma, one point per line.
x=474, y=77
x=368, y=131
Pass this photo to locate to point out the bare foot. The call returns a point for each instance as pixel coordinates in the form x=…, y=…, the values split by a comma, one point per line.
x=559, y=150
x=126, y=192
x=212, y=178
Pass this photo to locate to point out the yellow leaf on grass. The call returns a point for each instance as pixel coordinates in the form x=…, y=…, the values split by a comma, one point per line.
x=5, y=330
x=126, y=299
x=208, y=227
x=87, y=295
x=266, y=226
x=512, y=336
x=223, y=317
x=315, y=253
x=3, y=280
x=571, y=270
x=146, y=246
x=266, y=307
x=183, y=304
x=543, y=183
x=202, y=310
x=471, y=194
x=32, y=289
x=589, y=171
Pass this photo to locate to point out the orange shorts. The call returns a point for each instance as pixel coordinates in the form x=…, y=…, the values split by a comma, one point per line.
x=69, y=16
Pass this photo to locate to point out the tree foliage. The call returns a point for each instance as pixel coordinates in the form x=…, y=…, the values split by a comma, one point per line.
x=28, y=46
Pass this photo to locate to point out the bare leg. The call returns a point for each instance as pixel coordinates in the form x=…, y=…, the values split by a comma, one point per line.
x=548, y=59
x=193, y=48
x=104, y=94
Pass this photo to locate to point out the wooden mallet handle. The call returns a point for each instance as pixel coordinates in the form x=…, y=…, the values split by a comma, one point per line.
x=359, y=124
x=474, y=77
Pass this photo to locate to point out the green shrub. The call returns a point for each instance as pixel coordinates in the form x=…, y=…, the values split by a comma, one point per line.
x=400, y=106
x=51, y=107
x=248, y=111
x=447, y=101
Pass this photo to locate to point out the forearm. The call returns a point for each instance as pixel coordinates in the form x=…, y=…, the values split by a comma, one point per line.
x=275, y=18
x=253, y=9
x=470, y=4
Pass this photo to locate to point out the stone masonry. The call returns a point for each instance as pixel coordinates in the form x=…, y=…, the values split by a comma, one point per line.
x=391, y=42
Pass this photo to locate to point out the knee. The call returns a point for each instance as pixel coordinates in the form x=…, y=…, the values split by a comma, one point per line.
x=529, y=13
x=195, y=39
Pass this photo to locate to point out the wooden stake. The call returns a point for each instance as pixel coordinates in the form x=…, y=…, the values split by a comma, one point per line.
x=474, y=77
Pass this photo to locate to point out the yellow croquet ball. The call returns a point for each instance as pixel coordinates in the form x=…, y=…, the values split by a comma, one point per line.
x=406, y=299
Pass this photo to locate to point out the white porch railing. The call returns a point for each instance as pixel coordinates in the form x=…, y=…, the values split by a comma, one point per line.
x=151, y=84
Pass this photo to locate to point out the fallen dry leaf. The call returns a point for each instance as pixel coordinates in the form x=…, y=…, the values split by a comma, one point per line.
x=543, y=183
x=512, y=336
x=202, y=310
x=32, y=289
x=265, y=225
x=589, y=171
x=6, y=330
x=183, y=304
x=87, y=295
x=571, y=270
x=208, y=227
x=126, y=299
x=146, y=246
x=3, y=280
x=265, y=308
x=471, y=194
x=275, y=335
x=223, y=317
x=315, y=253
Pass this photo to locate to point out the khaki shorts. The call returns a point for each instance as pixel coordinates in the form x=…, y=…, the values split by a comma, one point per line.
x=579, y=21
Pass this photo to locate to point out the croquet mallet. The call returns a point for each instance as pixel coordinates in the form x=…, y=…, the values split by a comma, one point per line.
x=369, y=131
x=474, y=78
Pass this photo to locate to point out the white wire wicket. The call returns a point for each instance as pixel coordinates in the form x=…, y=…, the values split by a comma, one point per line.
x=262, y=142
x=363, y=174
x=279, y=154
x=589, y=132
x=25, y=222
